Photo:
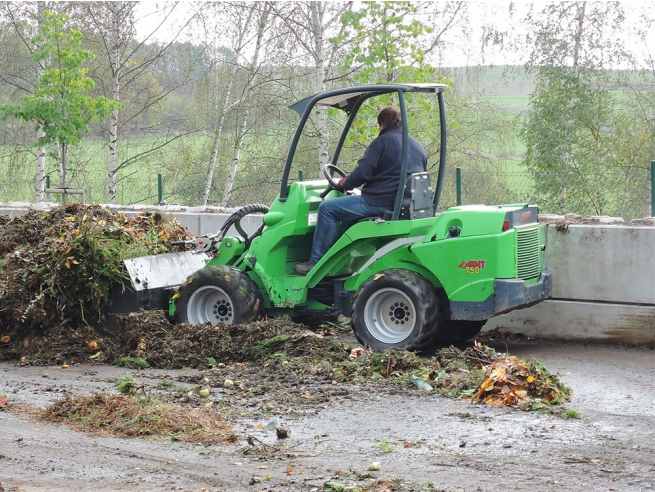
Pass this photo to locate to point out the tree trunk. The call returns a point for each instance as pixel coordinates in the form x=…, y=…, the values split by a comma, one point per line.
x=229, y=184
x=213, y=161
x=580, y=14
x=318, y=10
x=63, y=164
x=114, y=62
x=39, y=175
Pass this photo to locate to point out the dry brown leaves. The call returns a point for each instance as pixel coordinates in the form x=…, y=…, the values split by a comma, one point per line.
x=140, y=416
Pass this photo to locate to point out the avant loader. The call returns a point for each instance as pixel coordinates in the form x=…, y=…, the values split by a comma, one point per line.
x=408, y=279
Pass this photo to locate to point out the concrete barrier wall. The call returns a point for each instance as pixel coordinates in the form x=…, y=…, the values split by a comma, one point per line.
x=603, y=277
x=603, y=286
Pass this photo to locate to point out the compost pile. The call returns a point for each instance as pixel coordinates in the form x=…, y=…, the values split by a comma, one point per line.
x=295, y=358
x=58, y=267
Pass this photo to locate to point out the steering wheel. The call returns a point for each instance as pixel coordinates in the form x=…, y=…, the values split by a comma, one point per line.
x=332, y=183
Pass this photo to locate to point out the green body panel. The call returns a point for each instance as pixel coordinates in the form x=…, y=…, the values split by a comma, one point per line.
x=465, y=267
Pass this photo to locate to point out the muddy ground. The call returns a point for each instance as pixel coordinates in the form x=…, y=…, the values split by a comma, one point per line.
x=423, y=441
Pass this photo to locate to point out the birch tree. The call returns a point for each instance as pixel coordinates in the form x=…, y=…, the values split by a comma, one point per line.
x=131, y=64
x=312, y=25
x=572, y=129
x=21, y=16
x=253, y=66
x=239, y=36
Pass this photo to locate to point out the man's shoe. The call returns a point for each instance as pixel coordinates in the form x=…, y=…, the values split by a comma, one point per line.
x=303, y=268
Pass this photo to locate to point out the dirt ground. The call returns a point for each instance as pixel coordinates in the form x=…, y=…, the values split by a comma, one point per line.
x=422, y=441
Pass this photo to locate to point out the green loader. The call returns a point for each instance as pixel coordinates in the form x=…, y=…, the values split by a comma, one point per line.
x=406, y=280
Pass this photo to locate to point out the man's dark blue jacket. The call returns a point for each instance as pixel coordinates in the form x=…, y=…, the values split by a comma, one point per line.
x=378, y=171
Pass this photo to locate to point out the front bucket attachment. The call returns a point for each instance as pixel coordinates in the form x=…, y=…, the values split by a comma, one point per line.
x=154, y=280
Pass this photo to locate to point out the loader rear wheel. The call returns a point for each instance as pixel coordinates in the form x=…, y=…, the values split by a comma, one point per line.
x=218, y=294
x=459, y=330
x=396, y=309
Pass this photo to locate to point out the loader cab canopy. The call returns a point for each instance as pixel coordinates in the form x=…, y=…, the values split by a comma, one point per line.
x=350, y=100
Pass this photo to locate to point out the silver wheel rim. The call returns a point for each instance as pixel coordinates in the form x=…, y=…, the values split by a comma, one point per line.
x=390, y=315
x=210, y=304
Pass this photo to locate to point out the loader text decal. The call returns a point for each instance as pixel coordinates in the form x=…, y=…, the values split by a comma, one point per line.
x=472, y=266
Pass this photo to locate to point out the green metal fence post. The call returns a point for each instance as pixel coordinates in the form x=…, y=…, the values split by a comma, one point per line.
x=160, y=189
x=458, y=180
x=300, y=176
x=652, y=188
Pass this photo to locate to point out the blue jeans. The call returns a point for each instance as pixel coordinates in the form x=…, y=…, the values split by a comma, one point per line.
x=335, y=216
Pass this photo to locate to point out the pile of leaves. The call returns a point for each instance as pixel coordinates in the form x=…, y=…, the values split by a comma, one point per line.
x=510, y=381
x=58, y=267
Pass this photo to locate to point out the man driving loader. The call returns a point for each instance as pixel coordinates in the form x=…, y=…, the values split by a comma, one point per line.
x=378, y=175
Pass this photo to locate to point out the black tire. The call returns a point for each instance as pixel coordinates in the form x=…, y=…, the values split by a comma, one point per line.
x=395, y=309
x=218, y=294
x=459, y=330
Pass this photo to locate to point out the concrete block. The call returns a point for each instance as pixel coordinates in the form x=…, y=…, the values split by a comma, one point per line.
x=612, y=263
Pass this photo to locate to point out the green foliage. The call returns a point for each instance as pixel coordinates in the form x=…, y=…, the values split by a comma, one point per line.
x=384, y=39
x=127, y=385
x=570, y=414
x=579, y=141
x=580, y=135
x=61, y=104
x=385, y=43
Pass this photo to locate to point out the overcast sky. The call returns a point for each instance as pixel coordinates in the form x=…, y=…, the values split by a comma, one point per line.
x=150, y=15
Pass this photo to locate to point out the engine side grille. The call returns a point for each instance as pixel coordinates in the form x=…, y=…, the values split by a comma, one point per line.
x=528, y=252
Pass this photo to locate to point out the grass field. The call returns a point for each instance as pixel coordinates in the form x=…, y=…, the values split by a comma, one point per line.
x=87, y=169
x=183, y=169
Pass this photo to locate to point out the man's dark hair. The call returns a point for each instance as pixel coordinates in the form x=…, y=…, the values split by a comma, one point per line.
x=389, y=116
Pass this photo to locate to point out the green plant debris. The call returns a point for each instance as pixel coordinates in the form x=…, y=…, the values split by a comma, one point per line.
x=282, y=349
x=133, y=362
x=127, y=384
x=385, y=446
x=288, y=368
x=570, y=414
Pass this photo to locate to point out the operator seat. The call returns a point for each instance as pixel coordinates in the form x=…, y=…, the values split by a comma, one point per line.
x=417, y=203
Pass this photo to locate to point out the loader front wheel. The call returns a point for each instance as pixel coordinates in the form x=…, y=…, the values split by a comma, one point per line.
x=396, y=309
x=218, y=294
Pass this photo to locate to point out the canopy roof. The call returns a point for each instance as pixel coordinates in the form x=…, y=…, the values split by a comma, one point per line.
x=345, y=99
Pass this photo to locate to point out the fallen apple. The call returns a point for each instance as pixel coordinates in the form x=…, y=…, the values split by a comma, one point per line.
x=93, y=345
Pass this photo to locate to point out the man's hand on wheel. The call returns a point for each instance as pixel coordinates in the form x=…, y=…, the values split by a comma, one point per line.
x=342, y=181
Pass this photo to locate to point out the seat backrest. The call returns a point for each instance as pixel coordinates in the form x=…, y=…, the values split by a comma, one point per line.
x=417, y=203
